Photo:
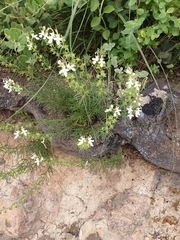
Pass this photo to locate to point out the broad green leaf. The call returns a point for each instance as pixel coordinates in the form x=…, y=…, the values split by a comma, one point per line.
x=140, y=11
x=143, y=33
x=142, y=74
x=162, y=4
x=132, y=3
x=162, y=15
x=170, y=10
x=176, y=21
x=108, y=47
x=12, y=33
x=94, y=5
x=113, y=24
x=116, y=36
x=20, y=48
x=175, y=31
x=23, y=60
x=108, y=9
x=114, y=61
x=98, y=28
x=22, y=39
x=106, y=34
x=10, y=45
x=95, y=21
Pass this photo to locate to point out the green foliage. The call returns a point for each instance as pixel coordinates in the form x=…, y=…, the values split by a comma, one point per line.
x=153, y=23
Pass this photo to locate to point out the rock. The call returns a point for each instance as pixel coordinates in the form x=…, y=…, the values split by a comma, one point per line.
x=135, y=202
x=155, y=134
x=96, y=230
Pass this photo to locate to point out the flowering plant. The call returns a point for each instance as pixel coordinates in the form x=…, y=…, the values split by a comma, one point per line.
x=84, y=94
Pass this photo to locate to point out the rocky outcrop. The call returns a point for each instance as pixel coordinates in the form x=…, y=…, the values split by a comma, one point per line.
x=138, y=201
x=155, y=134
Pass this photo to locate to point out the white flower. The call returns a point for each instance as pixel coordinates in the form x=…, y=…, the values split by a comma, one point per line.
x=130, y=83
x=101, y=62
x=137, y=85
x=16, y=134
x=34, y=156
x=71, y=67
x=35, y=36
x=117, y=112
x=37, y=159
x=51, y=37
x=90, y=141
x=43, y=34
x=43, y=143
x=109, y=109
x=130, y=112
x=129, y=70
x=12, y=86
x=30, y=45
x=95, y=59
x=24, y=131
x=57, y=39
x=81, y=140
x=8, y=84
x=64, y=71
x=138, y=112
x=59, y=62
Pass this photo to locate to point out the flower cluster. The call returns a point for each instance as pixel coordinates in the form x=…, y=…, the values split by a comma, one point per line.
x=18, y=133
x=50, y=35
x=37, y=159
x=65, y=68
x=85, y=143
x=98, y=60
x=113, y=114
x=116, y=111
x=130, y=97
x=12, y=86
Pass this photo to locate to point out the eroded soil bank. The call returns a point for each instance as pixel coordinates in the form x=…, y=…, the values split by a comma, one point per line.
x=138, y=201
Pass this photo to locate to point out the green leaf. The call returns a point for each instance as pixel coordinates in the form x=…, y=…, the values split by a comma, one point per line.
x=113, y=23
x=170, y=10
x=162, y=15
x=108, y=47
x=116, y=36
x=10, y=45
x=176, y=21
x=95, y=21
x=142, y=74
x=108, y=9
x=12, y=33
x=106, y=34
x=98, y=28
x=175, y=31
x=162, y=4
x=94, y=5
x=23, y=60
x=20, y=48
x=114, y=62
x=132, y=3
x=22, y=39
x=140, y=11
